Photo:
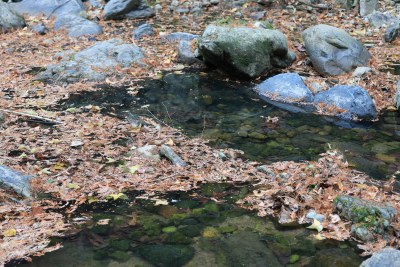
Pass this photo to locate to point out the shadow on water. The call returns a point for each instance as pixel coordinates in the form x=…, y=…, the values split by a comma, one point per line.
x=230, y=115
x=192, y=230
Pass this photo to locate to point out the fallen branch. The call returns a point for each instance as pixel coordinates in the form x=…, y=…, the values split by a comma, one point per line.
x=32, y=116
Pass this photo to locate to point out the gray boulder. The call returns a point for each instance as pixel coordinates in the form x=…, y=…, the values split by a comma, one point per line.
x=244, y=51
x=141, y=12
x=187, y=54
x=9, y=19
x=40, y=28
x=94, y=63
x=49, y=7
x=287, y=91
x=367, y=7
x=387, y=257
x=77, y=25
x=368, y=217
x=116, y=9
x=333, y=51
x=180, y=36
x=17, y=181
x=392, y=32
x=397, y=96
x=380, y=19
x=144, y=29
x=347, y=102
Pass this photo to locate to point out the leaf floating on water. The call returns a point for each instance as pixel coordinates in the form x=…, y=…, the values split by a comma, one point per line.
x=316, y=225
x=103, y=222
x=117, y=196
x=319, y=237
x=9, y=233
x=161, y=202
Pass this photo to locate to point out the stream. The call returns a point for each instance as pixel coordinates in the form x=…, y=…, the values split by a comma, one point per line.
x=192, y=229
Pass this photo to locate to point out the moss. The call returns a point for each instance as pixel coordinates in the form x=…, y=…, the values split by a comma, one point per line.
x=227, y=229
x=120, y=256
x=211, y=207
x=100, y=254
x=294, y=258
x=169, y=229
x=211, y=232
x=178, y=238
x=122, y=245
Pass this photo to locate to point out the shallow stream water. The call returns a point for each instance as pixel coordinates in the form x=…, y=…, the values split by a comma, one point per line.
x=192, y=230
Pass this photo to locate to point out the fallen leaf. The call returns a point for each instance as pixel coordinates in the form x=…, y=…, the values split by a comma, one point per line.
x=316, y=225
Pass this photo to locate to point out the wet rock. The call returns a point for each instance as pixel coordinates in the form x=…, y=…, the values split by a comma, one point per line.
x=287, y=91
x=335, y=257
x=15, y=180
x=187, y=54
x=180, y=36
x=81, y=65
x=77, y=26
x=387, y=257
x=350, y=102
x=9, y=19
x=144, y=29
x=244, y=51
x=367, y=7
x=40, y=28
x=397, y=96
x=368, y=217
x=392, y=32
x=333, y=51
x=167, y=152
x=380, y=19
x=49, y=7
x=116, y=9
x=166, y=255
x=361, y=71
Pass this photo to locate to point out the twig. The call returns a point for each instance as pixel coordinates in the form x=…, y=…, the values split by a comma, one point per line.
x=32, y=116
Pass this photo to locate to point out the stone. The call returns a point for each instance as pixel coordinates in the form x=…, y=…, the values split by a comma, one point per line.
x=333, y=51
x=379, y=19
x=77, y=26
x=367, y=7
x=387, y=257
x=94, y=63
x=11, y=179
x=166, y=255
x=392, y=32
x=142, y=30
x=149, y=152
x=179, y=36
x=312, y=214
x=95, y=3
x=286, y=91
x=9, y=19
x=186, y=54
x=244, y=51
x=167, y=152
x=116, y=9
x=49, y=7
x=141, y=12
x=397, y=96
x=40, y=28
x=346, y=102
x=335, y=257
x=361, y=71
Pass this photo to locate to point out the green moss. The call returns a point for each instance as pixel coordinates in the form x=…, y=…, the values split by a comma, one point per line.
x=100, y=254
x=120, y=256
x=178, y=238
x=122, y=245
x=169, y=229
x=211, y=207
x=294, y=258
x=227, y=229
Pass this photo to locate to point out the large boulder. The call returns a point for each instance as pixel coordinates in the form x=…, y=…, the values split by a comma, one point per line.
x=9, y=19
x=94, y=63
x=244, y=51
x=77, y=26
x=368, y=217
x=367, y=7
x=11, y=179
x=49, y=7
x=116, y=9
x=333, y=51
x=387, y=257
x=287, y=91
x=346, y=102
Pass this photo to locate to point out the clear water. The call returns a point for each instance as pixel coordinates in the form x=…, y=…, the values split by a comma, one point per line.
x=192, y=231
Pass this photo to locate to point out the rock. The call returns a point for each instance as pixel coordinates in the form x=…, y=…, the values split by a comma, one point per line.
x=77, y=26
x=149, y=152
x=142, y=12
x=313, y=215
x=367, y=7
x=287, y=91
x=361, y=71
x=349, y=103
x=186, y=54
x=95, y=3
x=244, y=51
x=379, y=19
x=49, y=7
x=40, y=28
x=9, y=19
x=392, y=32
x=387, y=257
x=333, y=51
x=15, y=180
x=116, y=9
x=167, y=152
x=266, y=170
x=335, y=257
x=81, y=65
x=397, y=96
x=368, y=217
x=285, y=219
x=166, y=255
x=179, y=36
x=144, y=29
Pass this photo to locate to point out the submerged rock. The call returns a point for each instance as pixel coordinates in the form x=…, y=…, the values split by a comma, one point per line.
x=348, y=102
x=187, y=54
x=94, y=63
x=244, y=51
x=397, y=96
x=368, y=217
x=15, y=180
x=333, y=51
x=335, y=257
x=9, y=19
x=166, y=255
x=387, y=257
x=287, y=91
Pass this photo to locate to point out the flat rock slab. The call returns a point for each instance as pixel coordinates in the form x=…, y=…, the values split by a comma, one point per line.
x=387, y=257
x=9, y=19
x=95, y=63
x=333, y=51
x=15, y=180
x=244, y=51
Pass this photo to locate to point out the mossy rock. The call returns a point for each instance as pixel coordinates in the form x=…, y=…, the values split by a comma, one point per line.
x=169, y=229
x=225, y=229
x=120, y=256
x=178, y=238
x=211, y=232
x=100, y=254
x=166, y=255
x=192, y=230
x=101, y=229
x=211, y=207
x=122, y=245
x=187, y=204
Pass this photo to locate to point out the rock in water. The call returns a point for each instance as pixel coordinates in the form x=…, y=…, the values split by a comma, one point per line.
x=94, y=63
x=186, y=54
x=244, y=51
x=333, y=51
x=346, y=102
x=9, y=19
x=288, y=92
x=166, y=255
x=116, y=9
x=15, y=180
x=387, y=257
